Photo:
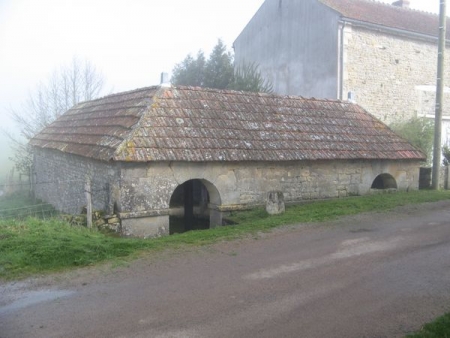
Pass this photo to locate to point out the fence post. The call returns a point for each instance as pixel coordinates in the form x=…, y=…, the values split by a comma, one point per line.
x=87, y=189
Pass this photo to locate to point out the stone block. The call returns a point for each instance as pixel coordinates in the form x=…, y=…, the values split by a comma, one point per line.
x=275, y=203
x=99, y=223
x=113, y=220
x=146, y=227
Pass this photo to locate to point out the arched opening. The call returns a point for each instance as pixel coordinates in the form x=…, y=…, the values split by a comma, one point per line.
x=384, y=181
x=192, y=206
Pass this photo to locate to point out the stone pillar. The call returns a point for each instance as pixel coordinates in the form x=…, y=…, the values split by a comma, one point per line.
x=188, y=205
x=275, y=203
x=215, y=217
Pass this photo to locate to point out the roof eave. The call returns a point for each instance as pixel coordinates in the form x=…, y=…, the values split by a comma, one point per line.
x=390, y=30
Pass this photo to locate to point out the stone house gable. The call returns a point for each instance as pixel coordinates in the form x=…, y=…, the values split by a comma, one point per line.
x=168, y=158
x=385, y=56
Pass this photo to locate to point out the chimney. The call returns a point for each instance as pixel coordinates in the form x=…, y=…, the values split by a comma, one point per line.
x=401, y=3
x=165, y=80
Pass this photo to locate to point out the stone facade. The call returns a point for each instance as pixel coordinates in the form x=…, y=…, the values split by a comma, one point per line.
x=392, y=76
x=146, y=190
x=174, y=159
x=141, y=193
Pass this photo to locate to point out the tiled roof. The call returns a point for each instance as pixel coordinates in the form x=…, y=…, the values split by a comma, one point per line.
x=197, y=124
x=388, y=15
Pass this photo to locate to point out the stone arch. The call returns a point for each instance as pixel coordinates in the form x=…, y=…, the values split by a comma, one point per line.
x=193, y=205
x=384, y=181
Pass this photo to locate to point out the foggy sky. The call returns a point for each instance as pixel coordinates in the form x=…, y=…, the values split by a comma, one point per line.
x=130, y=41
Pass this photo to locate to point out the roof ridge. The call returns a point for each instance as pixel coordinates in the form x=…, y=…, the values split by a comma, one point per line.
x=417, y=23
x=130, y=135
x=120, y=94
x=260, y=94
x=390, y=5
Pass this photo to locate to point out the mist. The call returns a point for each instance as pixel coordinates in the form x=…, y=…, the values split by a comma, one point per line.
x=5, y=145
x=5, y=152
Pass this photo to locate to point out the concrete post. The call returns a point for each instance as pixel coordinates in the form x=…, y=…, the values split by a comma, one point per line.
x=439, y=95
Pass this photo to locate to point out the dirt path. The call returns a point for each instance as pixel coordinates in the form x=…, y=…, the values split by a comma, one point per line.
x=372, y=275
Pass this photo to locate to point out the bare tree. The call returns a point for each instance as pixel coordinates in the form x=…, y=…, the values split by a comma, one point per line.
x=79, y=81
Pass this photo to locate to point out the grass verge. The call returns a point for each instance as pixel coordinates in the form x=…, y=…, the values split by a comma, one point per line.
x=32, y=246
x=321, y=211
x=440, y=328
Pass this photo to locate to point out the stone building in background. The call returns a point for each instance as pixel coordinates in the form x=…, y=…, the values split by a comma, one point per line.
x=380, y=55
x=159, y=157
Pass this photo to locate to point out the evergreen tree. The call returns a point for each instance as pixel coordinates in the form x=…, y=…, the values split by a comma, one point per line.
x=218, y=72
x=249, y=79
x=191, y=71
x=219, y=67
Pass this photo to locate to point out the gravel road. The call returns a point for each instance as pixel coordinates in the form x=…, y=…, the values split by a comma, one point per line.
x=371, y=275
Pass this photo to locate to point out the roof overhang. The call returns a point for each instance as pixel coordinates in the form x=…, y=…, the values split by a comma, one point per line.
x=391, y=30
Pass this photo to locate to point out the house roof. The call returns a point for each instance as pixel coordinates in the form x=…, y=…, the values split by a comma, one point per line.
x=387, y=15
x=198, y=124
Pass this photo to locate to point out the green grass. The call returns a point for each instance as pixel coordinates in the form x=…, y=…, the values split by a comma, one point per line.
x=34, y=246
x=31, y=246
x=320, y=211
x=440, y=328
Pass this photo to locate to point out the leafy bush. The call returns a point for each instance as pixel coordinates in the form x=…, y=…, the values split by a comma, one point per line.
x=419, y=131
x=446, y=154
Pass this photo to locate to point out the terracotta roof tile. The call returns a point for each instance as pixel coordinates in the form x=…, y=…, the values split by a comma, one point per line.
x=387, y=15
x=196, y=125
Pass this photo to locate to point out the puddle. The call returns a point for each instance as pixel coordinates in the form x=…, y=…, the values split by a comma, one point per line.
x=29, y=298
x=361, y=230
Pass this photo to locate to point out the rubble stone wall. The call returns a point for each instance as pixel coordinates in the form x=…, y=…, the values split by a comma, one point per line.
x=60, y=178
x=142, y=192
x=392, y=76
x=146, y=189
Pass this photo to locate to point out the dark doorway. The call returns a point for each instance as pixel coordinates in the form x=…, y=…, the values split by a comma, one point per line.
x=189, y=207
x=384, y=181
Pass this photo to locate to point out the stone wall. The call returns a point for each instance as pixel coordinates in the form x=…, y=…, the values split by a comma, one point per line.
x=393, y=76
x=444, y=175
x=146, y=189
x=60, y=178
x=425, y=181
x=142, y=192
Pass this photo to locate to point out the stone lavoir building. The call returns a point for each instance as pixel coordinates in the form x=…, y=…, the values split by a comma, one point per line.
x=160, y=152
x=382, y=55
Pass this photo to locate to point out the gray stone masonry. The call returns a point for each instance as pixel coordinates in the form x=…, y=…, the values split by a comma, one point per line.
x=146, y=189
x=392, y=76
x=141, y=193
x=60, y=179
